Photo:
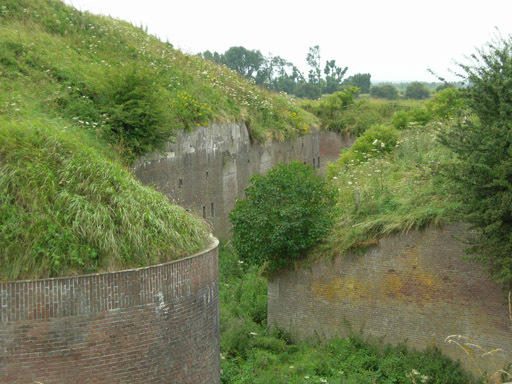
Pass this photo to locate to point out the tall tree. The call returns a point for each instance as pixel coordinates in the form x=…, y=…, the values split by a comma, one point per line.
x=417, y=90
x=333, y=76
x=313, y=60
x=244, y=61
x=384, y=91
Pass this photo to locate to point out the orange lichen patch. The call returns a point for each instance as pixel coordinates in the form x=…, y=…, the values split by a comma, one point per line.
x=342, y=289
x=392, y=286
x=416, y=284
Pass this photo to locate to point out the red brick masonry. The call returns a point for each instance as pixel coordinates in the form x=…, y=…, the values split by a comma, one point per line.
x=415, y=286
x=150, y=325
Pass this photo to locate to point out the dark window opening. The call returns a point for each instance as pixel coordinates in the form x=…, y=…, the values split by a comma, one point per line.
x=212, y=209
x=204, y=212
x=180, y=183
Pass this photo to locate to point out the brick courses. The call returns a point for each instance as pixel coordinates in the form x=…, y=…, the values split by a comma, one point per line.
x=416, y=287
x=151, y=325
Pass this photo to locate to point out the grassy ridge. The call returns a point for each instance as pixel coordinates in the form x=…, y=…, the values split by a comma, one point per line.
x=80, y=97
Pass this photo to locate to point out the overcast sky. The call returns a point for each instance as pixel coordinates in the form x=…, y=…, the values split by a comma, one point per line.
x=393, y=40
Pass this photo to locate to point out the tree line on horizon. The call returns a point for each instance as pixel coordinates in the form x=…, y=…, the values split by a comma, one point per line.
x=280, y=75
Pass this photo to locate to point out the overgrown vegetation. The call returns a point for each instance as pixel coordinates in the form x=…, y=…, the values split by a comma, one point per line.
x=65, y=208
x=252, y=353
x=342, y=112
x=284, y=213
x=392, y=178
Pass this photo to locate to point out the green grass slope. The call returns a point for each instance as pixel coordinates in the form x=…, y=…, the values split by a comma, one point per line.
x=81, y=96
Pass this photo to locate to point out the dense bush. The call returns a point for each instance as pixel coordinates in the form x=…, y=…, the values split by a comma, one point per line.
x=384, y=91
x=285, y=212
x=376, y=140
x=405, y=118
x=483, y=144
x=136, y=110
x=446, y=103
x=417, y=90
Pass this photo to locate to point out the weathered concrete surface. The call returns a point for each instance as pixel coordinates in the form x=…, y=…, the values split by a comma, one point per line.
x=415, y=287
x=150, y=325
x=205, y=170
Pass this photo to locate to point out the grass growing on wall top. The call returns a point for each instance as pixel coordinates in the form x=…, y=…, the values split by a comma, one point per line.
x=81, y=58
x=391, y=182
x=66, y=209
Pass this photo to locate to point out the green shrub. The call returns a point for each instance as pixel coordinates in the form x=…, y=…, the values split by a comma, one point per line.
x=417, y=90
x=384, y=91
x=377, y=140
x=446, y=103
x=284, y=213
x=136, y=110
x=401, y=119
x=418, y=115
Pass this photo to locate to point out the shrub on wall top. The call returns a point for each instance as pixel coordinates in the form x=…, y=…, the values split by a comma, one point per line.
x=285, y=212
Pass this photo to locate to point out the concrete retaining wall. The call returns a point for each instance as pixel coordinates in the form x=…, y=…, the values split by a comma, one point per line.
x=205, y=170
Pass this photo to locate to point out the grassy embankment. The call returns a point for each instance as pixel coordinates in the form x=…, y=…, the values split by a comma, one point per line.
x=81, y=96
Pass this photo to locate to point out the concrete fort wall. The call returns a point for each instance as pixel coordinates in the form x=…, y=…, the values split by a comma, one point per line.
x=206, y=169
x=158, y=324
x=415, y=287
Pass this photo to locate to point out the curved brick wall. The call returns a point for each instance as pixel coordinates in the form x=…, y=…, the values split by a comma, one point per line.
x=158, y=324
